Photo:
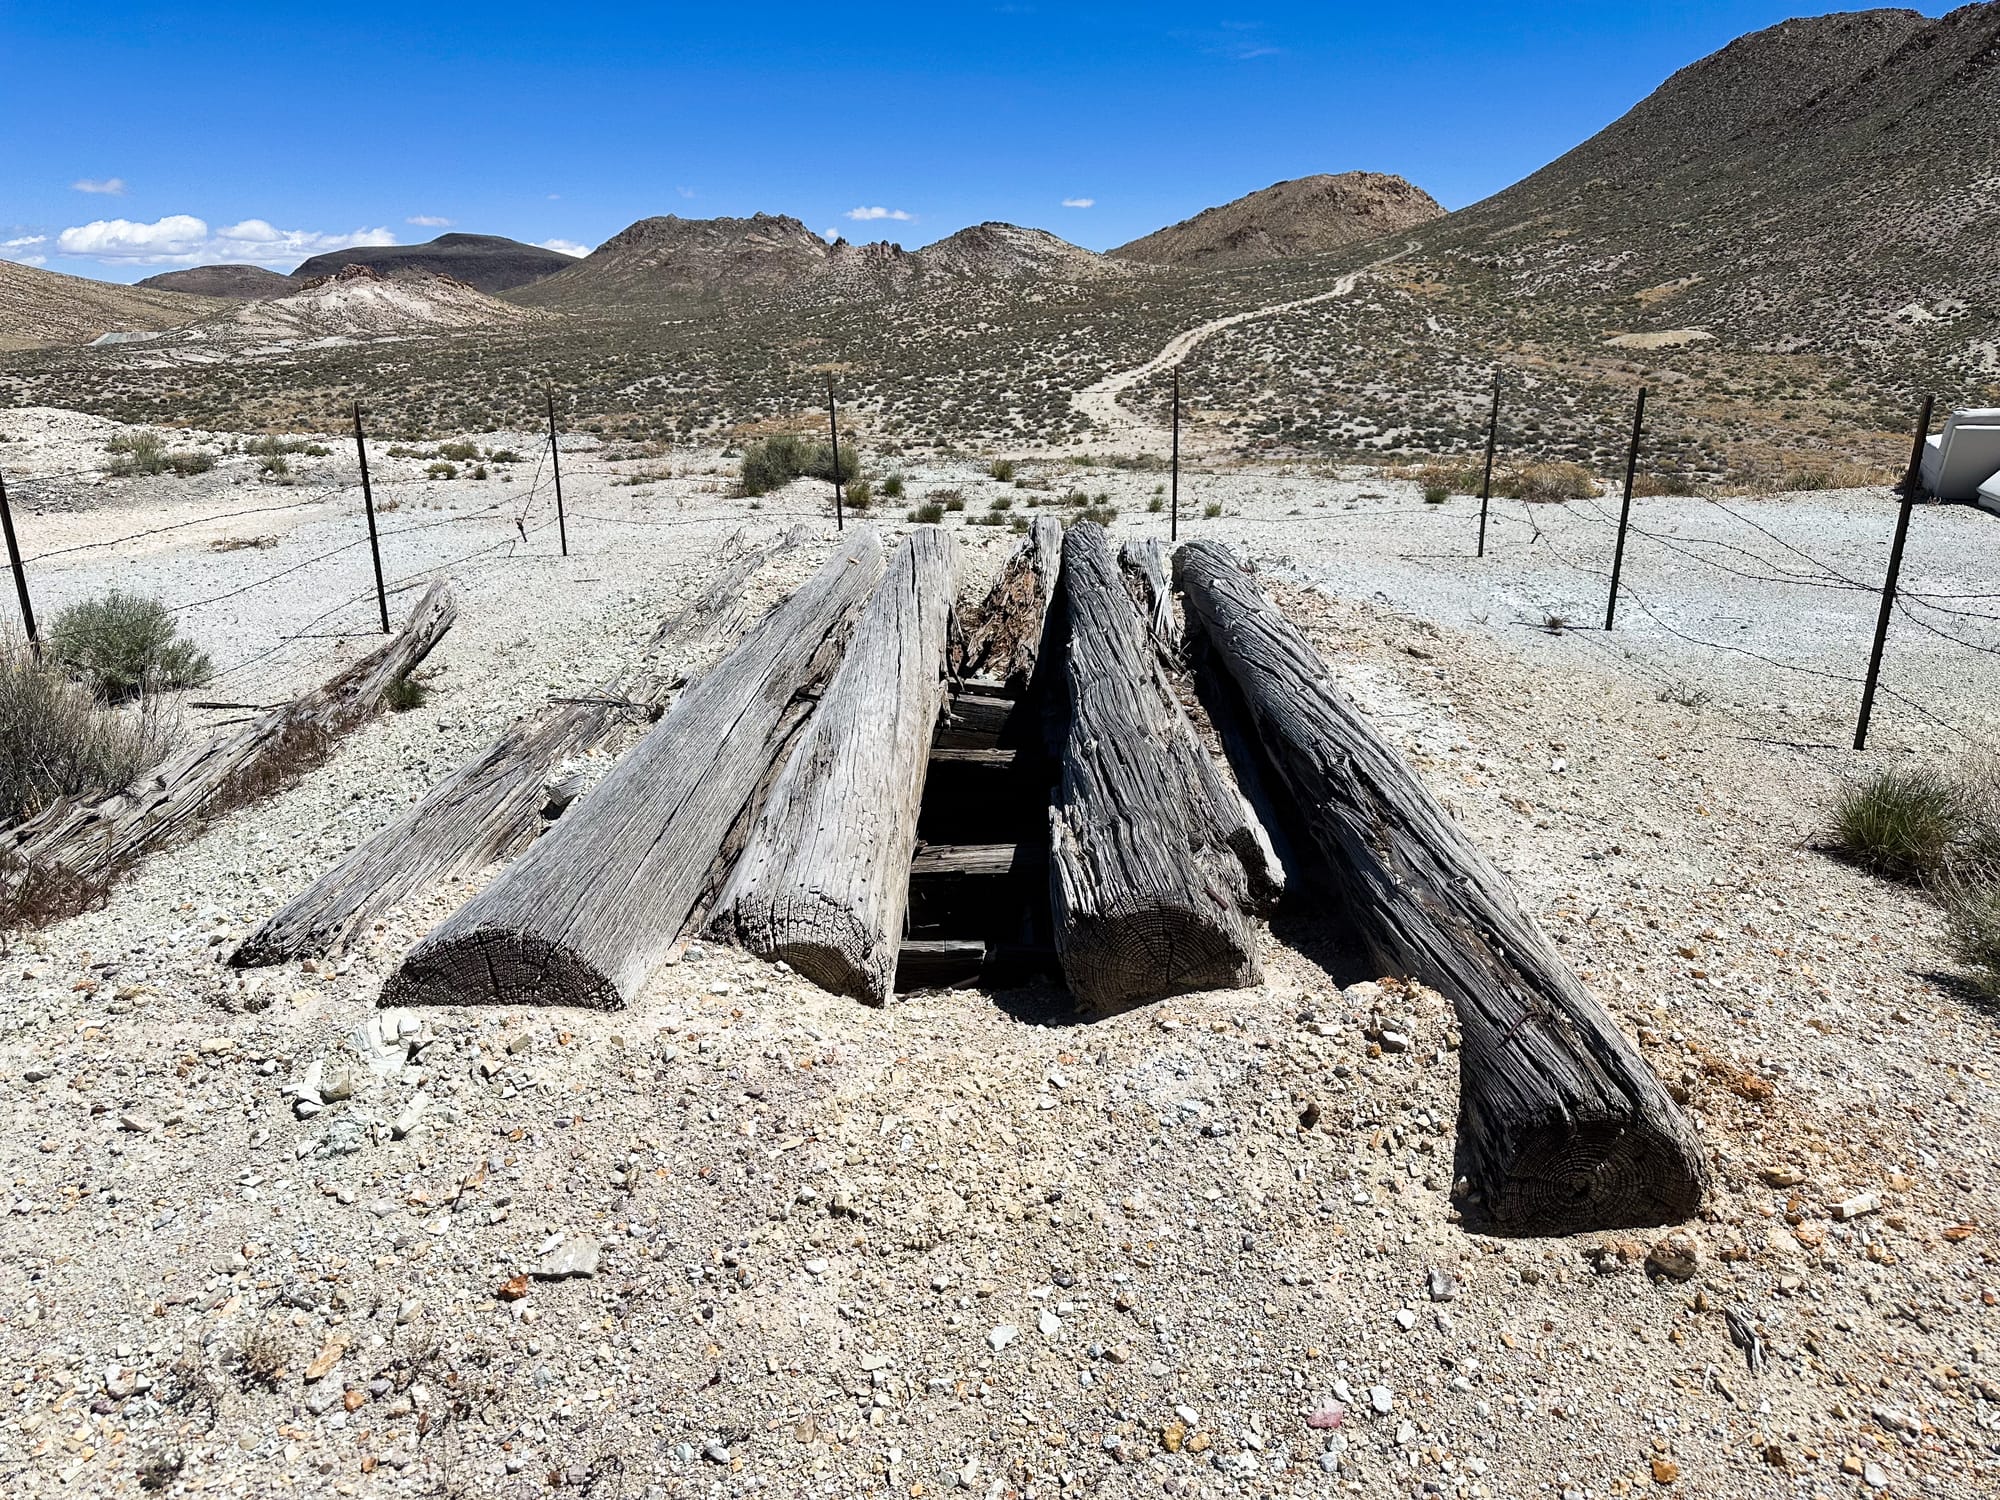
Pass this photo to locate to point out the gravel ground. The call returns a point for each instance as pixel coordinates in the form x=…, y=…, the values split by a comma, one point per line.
x=745, y=1237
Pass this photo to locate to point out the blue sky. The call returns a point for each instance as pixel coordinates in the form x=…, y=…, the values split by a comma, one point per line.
x=138, y=136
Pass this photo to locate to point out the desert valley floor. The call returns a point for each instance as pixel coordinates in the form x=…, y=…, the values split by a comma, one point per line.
x=744, y=1237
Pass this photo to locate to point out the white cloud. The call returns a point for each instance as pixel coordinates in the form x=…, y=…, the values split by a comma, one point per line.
x=22, y=250
x=429, y=221
x=880, y=213
x=685, y=192
x=113, y=186
x=829, y=235
x=184, y=240
x=565, y=247
x=1079, y=203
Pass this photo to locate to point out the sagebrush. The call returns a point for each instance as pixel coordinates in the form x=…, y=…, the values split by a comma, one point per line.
x=121, y=645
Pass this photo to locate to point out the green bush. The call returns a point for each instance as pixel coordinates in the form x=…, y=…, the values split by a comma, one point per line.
x=772, y=463
x=892, y=487
x=1900, y=823
x=1001, y=469
x=404, y=694
x=927, y=514
x=441, y=470
x=146, y=453
x=121, y=644
x=1972, y=933
x=1212, y=509
x=1001, y=502
x=459, y=453
x=55, y=741
x=1156, y=505
x=860, y=494
x=1436, y=494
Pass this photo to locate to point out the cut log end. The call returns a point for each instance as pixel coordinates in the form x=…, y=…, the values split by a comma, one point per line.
x=1570, y=1177
x=821, y=940
x=501, y=966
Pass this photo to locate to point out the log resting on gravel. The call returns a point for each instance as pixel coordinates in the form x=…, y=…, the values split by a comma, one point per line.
x=84, y=845
x=1003, y=632
x=495, y=804
x=1148, y=898
x=599, y=901
x=1562, y=1125
x=825, y=877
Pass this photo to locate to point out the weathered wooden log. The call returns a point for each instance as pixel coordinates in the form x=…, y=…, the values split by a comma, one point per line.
x=497, y=802
x=1003, y=632
x=1147, y=897
x=81, y=846
x=825, y=876
x=1144, y=560
x=1562, y=1125
x=598, y=902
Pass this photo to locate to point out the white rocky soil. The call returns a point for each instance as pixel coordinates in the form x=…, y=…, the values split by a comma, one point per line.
x=258, y=1236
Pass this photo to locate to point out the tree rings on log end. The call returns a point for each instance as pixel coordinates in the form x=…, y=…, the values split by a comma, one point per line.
x=1142, y=951
x=500, y=967
x=1573, y=1176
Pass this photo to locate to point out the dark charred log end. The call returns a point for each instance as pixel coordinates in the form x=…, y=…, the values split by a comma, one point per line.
x=1577, y=1177
x=500, y=967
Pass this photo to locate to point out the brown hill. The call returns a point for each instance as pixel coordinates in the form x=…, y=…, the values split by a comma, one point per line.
x=487, y=262
x=1304, y=216
x=1004, y=252
x=672, y=258
x=238, y=283
x=1831, y=182
x=40, y=308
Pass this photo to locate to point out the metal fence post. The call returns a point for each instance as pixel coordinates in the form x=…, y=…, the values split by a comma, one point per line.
x=368, y=504
x=833, y=426
x=1174, y=510
x=1625, y=514
x=1913, y=483
x=1486, y=482
x=20, y=573
x=555, y=457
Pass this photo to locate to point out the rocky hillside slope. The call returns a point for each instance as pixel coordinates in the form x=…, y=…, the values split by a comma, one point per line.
x=41, y=308
x=238, y=283
x=485, y=262
x=1304, y=216
x=1830, y=183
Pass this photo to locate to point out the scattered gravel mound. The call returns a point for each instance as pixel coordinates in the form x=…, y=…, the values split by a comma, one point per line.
x=1305, y=216
x=359, y=302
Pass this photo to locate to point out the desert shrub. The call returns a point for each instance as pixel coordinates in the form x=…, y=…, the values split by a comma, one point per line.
x=504, y=456
x=459, y=453
x=479, y=471
x=1645, y=486
x=1453, y=479
x=121, y=644
x=1972, y=932
x=952, y=500
x=1001, y=502
x=892, y=487
x=861, y=494
x=441, y=470
x=1076, y=497
x=264, y=447
x=1833, y=474
x=1436, y=494
x=1212, y=509
x=927, y=514
x=404, y=694
x=57, y=741
x=1156, y=504
x=1001, y=469
x=1900, y=823
x=146, y=453
x=1547, y=482
x=772, y=463
x=1101, y=513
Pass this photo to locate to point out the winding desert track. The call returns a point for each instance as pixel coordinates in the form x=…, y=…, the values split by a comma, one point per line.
x=1100, y=402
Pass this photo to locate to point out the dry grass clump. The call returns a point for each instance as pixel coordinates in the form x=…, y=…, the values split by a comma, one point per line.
x=1537, y=482
x=1942, y=832
x=1900, y=823
x=121, y=645
x=57, y=740
x=146, y=453
x=773, y=462
x=1833, y=474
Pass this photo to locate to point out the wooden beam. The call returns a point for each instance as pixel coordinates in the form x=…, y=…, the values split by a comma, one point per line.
x=85, y=844
x=825, y=876
x=599, y=902
x=495, y=804
x=1562, y=1125
x=1002, y=634
x=1147, y=897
